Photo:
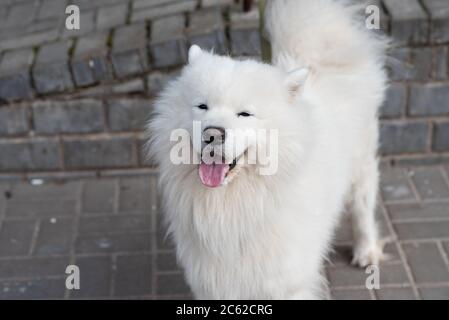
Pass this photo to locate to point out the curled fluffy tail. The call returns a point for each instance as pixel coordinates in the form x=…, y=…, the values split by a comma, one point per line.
x=324, y=35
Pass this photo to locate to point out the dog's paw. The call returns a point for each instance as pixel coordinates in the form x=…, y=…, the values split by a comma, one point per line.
x=368, y=255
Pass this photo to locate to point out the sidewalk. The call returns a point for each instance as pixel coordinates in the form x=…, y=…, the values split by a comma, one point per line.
x=110, y=228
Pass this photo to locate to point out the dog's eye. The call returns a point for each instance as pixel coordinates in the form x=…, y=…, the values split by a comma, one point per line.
x=203, y=107
x=244, y=114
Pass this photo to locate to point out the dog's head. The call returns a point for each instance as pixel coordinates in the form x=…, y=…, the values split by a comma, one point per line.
x=231, y=112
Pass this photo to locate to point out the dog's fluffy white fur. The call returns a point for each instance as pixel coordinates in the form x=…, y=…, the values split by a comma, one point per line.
x=265, y=237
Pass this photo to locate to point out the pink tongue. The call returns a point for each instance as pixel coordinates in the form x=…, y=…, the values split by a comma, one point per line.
x=213, y=175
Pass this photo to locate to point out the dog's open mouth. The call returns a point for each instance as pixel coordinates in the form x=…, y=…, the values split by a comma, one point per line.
x=214, y=175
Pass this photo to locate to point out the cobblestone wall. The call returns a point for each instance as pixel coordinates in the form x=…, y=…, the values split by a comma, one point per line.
x=77, y=100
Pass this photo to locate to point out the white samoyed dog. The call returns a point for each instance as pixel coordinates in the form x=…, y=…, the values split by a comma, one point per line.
x=243, y=234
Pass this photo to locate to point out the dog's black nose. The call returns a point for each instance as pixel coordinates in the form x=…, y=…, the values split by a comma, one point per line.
x=214, y=135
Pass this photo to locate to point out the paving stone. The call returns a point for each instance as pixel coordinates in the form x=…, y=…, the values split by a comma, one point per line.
x=112, y=16
x=41, y=208
x=21, y=14
x=421, y=63
x=33, y=267
x=114, y=224
x=430, y=183
x=157, y=81
x=32, y=289
x=422, y=230
x=419, y=257
x=90, y=63
x=55, y=236
x=166, y=262
x=244, y=34
x=437, y=293
x=15, y=237
x=350, y=276
x=394, y=185
x=55, y=191
x=409, y=23
x=403, y=137
x=113, y=243
x=87, y=25
x=168, y=44
x=441, y=63
x=439, y=13
x=95, y=277
x=350, y=294
x=52, y=8
x=216, y=3
x=128, y=114
x=172, y=284
x=158, y=11
x=128, y=87
x=113, y=152
x=395, y=294
x=395, y=101
x=15, y=80
x=99, y=196
x=76, y=116
x=134, y=196
x=51, y=72
x=440, y=137
x=402, y=211
x=206, y=29
x=129, y=53
x=13, y=120
x=133, y=276
x=431, y=99
x=29, y=40
x=29, y=155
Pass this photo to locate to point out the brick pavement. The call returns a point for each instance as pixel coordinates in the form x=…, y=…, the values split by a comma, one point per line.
x=110, y=227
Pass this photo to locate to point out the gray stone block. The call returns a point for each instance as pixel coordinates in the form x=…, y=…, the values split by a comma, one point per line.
x=395, y=186
x=422, y=230
x=429, y=99
x=15, y=237
x=87, y=25
x=216, y=3
x=131, y=269
x=156, y=81
x=34, y=268
x=441, y=63
x=409, y=24
x=75, y=116
x=418, y=257
x=437, y=293
x=168, y=44
x=90, y=63
x=158, y=9
x=206, y=29
x=112, y=16
x=107, y=152
x=244, y=34
x=430, y=183
x=55, y=237
x=15, y=80
x=403, y=137
x=99, y=196
x=42, y=154
x=395, y=101
x=134, y=242
x=441, y=137
x=439, y=13
x=51, y=8
x=129, y=54
x=172, y=284
x=421, y=61
x=32, y=289
x=403, y=211
x=398, y=63
x=96, y=278
x=128, y=114
x=51, y=72
x=13, y=120
x=29, y=40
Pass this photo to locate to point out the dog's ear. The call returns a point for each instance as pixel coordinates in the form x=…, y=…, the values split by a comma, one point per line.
x=194, y=53
x=296, y=79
